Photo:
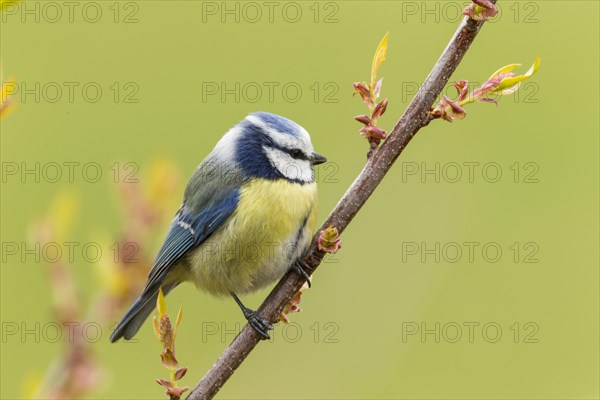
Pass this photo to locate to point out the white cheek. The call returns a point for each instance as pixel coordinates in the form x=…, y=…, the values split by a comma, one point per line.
x=289, y=167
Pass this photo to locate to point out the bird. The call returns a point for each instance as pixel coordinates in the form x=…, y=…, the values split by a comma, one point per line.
x=248, y=215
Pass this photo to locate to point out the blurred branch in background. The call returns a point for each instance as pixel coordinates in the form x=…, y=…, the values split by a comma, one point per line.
x=417, y=115
x=76, y=373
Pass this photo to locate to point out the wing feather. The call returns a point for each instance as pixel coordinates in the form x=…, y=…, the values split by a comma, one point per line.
x=188, y=231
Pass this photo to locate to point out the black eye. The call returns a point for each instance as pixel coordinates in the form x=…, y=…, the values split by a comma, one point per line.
x=296, y=153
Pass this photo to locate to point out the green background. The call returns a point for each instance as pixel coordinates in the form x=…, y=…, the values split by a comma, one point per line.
x=376, y=290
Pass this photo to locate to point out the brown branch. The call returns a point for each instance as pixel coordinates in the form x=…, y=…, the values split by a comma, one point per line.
x=414, y=118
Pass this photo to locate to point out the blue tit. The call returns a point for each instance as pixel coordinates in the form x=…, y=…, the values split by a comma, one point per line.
x=248, y=215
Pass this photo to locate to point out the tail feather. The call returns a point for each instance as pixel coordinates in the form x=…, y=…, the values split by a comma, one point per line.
x=137, y=314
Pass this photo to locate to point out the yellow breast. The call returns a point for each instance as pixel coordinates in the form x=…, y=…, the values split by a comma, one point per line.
x=271, y=227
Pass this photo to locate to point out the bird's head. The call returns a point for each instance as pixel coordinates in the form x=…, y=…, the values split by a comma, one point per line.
x=269, y=146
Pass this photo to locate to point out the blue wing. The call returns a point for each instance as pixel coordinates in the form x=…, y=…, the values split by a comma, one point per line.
x=210, y=199
x=188, y=231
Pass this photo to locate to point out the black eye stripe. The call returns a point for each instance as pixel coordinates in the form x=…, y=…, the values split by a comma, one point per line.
x=298, y=154
x=295, y=153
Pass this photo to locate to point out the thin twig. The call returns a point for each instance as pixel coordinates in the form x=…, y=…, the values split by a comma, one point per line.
x=414, y=118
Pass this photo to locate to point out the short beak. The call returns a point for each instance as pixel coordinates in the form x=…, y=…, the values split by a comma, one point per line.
x=316, y=159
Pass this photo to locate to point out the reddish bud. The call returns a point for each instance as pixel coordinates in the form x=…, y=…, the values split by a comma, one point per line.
x=329, y=240
x=380, y=109
x=372, y=131
x=462, y=87
x=481, y=10
x=449, y=110
x=363, y=89
x=180, y=373
x=164, y=382
x=168, y=358
x=166, y=332
x=294, y=305
x=363, y=119
x=377, y=88
x=176, y=392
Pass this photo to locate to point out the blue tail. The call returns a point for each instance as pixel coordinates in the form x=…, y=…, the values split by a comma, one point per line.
x=137, y=314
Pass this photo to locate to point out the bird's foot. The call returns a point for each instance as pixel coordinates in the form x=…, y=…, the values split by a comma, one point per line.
x=300, y=267
x=260, y=325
